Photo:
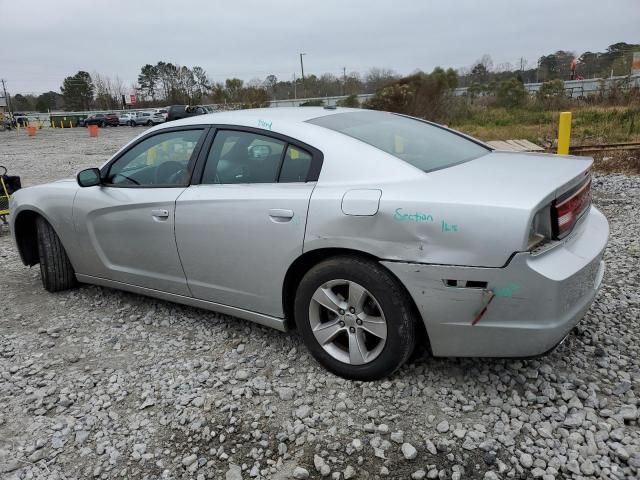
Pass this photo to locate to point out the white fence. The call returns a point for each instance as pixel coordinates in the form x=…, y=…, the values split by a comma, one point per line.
x=580, y=88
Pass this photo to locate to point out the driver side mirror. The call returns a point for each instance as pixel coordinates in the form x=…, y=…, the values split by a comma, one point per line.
x=89, y=177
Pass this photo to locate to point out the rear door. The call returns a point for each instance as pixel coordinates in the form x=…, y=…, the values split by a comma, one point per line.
x=243, y=225
x=126, y=226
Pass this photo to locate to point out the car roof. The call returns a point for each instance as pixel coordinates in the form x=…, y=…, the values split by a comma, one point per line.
x=289, y=115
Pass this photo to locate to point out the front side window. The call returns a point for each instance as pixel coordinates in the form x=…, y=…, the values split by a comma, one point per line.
x=243, y=157
x=159, y=160
x=423, y=145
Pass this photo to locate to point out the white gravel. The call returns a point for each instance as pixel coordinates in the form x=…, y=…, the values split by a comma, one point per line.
x=96, y=383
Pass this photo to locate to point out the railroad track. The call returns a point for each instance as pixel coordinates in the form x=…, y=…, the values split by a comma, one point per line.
x=604, y=147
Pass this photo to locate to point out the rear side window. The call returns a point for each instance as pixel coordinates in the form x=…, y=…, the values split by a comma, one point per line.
x=296, y=164
x=423, y=145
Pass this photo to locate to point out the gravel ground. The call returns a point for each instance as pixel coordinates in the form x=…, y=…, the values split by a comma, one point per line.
x=96, y=383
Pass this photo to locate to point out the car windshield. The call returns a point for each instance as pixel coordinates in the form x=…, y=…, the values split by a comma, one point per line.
x=422, y=144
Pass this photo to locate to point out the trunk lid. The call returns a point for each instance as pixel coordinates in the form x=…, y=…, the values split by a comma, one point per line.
x=513, y=179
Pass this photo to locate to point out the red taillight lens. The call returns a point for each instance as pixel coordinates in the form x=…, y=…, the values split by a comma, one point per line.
x=568, y=210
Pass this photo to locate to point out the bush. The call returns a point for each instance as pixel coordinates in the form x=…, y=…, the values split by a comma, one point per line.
x=422, y=95
x=313, y=103
x=552, y=94
x=351, y=101
x=511, y=93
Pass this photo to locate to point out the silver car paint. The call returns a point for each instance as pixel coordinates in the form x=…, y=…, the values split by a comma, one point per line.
x=121, y=237
x=474, y=214
x=236, y=242
x=538, y=298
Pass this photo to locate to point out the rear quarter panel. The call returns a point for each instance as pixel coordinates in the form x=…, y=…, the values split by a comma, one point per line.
x=413, y=226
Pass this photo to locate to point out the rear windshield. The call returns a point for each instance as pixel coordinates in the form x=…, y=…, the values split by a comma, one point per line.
x=423, y=145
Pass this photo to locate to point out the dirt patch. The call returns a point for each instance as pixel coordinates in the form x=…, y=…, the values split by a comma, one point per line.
x=626, y=162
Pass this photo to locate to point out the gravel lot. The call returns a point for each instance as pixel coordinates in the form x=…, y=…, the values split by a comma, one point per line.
x=97, y=383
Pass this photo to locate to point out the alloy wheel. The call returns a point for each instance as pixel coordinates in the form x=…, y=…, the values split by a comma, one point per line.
x=347, y=322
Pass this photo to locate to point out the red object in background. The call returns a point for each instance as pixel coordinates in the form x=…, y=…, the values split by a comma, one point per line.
x=574, y=63
x=132, y=99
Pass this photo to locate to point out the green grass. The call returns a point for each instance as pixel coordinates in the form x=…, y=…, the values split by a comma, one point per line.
x=590, y=125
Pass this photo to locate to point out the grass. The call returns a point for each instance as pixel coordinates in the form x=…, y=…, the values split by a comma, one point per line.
x=591, y=125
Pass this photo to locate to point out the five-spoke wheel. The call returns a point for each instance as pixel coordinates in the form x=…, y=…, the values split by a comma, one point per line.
x=347, y=322
x=355, y=318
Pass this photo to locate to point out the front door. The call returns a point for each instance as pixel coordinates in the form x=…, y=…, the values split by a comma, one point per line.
x=126, y=226
x=241, y=228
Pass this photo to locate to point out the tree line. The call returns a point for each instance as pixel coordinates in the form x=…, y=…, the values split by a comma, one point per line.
x=166, y=83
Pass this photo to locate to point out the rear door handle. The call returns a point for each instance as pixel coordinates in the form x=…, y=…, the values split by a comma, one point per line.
x=160, y=213
x=280, y=213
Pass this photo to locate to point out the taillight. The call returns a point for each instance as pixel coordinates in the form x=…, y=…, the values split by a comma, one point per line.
x=567, y=211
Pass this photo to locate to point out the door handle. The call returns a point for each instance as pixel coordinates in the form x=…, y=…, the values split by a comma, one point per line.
x=160, y=213
x=280, y=213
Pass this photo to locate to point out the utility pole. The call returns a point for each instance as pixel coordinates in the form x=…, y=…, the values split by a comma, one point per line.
x=302, y=68
x=295, y=90
x=7, y=99
x=344, y=80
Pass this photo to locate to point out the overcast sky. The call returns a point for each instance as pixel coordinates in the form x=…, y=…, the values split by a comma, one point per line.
x=45, y=40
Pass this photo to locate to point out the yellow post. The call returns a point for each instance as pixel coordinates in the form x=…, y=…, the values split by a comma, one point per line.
x=564, y=133
x=61, y=124
x=70, y=124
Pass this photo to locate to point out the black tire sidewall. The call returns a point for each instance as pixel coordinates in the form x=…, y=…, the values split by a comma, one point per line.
x=56, y=270
x=392, y=299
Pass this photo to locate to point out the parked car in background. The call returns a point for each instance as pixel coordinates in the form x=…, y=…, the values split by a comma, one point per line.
x=7, y=122
x=162, y=111
x=21, y=119
x=100, y=119
x=148, y=118
x=127, y=118
x=371, y=232
x=176, y=112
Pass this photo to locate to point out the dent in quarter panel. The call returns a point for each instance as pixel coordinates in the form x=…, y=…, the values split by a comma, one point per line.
x=408, y=226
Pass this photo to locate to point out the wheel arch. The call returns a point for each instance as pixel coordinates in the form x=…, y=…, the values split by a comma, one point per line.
x=309, y=259
x=26, y=235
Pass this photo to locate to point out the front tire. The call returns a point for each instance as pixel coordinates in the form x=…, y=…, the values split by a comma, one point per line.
x=355, y=318
x=56, y=270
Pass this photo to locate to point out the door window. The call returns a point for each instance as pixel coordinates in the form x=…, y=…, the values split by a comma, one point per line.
x=159, y=160
x=296, y=164
x=243, y=157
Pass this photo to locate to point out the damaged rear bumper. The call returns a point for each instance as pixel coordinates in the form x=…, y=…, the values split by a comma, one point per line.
x=537, y=299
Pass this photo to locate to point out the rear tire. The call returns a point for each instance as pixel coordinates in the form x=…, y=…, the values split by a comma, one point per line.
x=56, y=270
x=385, y=301
x=149, y=123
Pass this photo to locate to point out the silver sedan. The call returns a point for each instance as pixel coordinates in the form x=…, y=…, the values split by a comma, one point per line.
x=373, y=233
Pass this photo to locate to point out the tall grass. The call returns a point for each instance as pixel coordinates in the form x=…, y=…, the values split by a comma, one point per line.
x=591, y=125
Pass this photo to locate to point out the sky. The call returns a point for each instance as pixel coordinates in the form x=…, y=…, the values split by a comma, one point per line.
x=44, y=41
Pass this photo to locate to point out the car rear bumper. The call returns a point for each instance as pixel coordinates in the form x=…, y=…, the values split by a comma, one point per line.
x=537, y=299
